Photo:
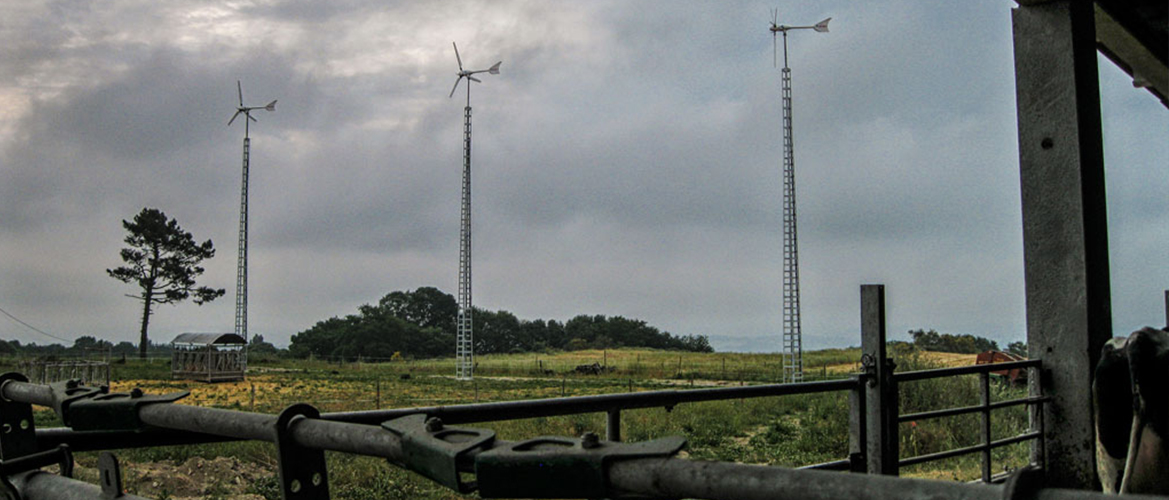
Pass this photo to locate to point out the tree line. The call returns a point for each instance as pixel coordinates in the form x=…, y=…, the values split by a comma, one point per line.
x=421, y=324
x=931, y=340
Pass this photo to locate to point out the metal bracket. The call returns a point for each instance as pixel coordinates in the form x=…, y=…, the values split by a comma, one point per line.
x=18, y=436
x=869, y=369
x=116, y=411
x=434, y=450
x=556, y=467
x=60, y=456
x=68, y=392
x=303, y=474
x=111, y=476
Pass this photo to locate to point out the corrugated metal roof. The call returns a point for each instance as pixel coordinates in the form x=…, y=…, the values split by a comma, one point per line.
x=208, y=338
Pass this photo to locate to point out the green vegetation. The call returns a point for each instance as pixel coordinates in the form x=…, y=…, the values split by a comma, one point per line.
x=421, y=324
x=787, y=431
x=965, y=343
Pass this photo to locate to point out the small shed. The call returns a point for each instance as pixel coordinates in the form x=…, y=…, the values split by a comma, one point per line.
x=208, y=357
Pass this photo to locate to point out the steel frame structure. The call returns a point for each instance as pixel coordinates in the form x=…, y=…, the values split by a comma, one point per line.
x=793, y=348
x=465, y=338
x=792, y=333
x=464, y=335
x=241, y=270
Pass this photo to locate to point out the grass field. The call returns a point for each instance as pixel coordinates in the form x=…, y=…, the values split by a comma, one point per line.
x=788, y=431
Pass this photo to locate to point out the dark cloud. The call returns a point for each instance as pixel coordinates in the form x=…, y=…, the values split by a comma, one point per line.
x=626, y=161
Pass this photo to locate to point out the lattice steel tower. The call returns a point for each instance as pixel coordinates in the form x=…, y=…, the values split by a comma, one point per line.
x=241, y=271
x=465, y=339
x=793, y=350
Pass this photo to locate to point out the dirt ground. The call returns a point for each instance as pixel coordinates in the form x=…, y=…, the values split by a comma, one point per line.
x=221, y=478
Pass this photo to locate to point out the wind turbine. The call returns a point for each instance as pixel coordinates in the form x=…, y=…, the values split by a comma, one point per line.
x=241, y=272
x=464, y=342
x=793, y=351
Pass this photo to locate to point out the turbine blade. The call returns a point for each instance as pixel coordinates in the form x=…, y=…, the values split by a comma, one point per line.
x=457, y=80
x=822, y=26
x=271, y=106
x=233, y=117
x=474, y=79
x=495, y=69
x=239, y=86
x=250, y=117
x=457, y=58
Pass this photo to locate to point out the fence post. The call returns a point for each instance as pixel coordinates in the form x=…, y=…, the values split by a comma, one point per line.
x=856, y=426
x=613, y=425
x=881, y=445
x=984, y=378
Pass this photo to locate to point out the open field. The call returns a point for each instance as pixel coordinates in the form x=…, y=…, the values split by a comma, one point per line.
x=789, y=431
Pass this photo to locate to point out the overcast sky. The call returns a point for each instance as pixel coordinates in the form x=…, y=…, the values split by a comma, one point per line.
x=627, y=161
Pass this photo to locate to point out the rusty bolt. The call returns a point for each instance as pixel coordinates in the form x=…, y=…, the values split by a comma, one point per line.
x=589, y=440
x=433, y=424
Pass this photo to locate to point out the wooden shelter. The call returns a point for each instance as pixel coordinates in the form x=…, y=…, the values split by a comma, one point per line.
x=208, y=357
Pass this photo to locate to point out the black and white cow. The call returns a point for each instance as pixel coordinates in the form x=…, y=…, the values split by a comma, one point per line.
x=1131, y=391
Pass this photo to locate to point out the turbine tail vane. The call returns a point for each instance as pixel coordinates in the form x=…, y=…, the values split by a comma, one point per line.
x=495, y=69
x=822, y=26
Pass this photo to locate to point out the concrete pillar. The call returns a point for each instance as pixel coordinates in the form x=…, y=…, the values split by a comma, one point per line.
x=1065, y=242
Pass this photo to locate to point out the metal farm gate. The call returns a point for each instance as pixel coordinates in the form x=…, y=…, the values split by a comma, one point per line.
x=47, y=372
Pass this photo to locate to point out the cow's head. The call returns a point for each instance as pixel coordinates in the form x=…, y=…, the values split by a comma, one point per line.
x=1131, y=396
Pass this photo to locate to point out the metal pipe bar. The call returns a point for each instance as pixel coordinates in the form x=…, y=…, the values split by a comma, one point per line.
x=680, y=478
x=454, y=414
x=1029, y=436
x=532, y=408
x=675, y=478
x=105, y=440
x=40, y=485
x=941, y=455
x=310, y=433
x=986, y=458
x=833, y=465
x=613, y=426
x=949, y=412
x=965, y=370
